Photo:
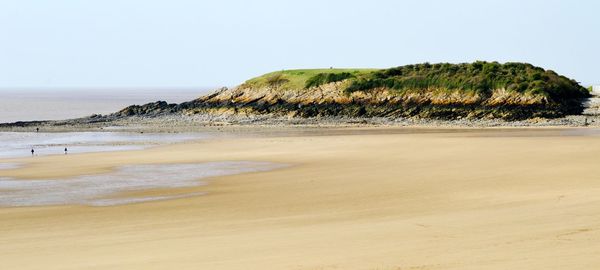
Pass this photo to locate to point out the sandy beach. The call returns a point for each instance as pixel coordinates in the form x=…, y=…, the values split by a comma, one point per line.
x=367, y=200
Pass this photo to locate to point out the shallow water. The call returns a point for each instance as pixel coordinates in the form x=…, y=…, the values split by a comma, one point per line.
x=107, y=189
x=19, y=144
x=56, y=104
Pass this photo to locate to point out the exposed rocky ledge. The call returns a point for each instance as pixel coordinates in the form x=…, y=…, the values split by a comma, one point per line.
x=329, y=100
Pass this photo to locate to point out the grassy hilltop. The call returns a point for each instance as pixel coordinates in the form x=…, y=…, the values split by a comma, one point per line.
x=298, y=78
x=480, y=77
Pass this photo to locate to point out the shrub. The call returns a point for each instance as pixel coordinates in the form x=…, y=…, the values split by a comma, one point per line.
x=276, y=80
x=325, y=78
x=479, y=76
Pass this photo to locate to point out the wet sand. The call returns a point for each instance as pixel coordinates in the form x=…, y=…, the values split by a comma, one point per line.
x=375, y=200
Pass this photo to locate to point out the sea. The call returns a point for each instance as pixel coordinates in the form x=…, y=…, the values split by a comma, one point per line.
x=56, y=104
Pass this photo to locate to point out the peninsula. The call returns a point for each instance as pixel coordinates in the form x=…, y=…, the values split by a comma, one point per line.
x=446, y=92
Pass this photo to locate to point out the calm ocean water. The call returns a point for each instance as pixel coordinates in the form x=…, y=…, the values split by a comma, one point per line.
x=27, y=105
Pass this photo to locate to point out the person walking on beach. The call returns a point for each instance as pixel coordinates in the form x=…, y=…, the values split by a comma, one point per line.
x=65, y=150
x=32, y=152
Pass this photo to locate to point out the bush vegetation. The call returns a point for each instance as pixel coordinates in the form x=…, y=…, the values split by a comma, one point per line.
x=482, y=77
x=325, y=78
x=276, y=80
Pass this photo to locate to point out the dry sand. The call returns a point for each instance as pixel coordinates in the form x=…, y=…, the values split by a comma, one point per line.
x=375, y=201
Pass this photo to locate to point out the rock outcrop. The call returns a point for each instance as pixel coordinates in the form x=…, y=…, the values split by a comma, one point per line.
x=331, y=100
x=150, y=109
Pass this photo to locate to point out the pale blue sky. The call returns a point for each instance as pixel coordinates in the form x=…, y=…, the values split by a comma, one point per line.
x=185, y=43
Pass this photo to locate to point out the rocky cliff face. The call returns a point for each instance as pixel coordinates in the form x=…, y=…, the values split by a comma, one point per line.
x=331, y=100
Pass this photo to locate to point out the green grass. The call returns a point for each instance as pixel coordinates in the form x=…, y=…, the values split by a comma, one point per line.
x=481, y=77
x=297, y=78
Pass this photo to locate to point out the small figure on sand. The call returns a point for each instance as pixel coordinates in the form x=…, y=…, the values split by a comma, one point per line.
x=32, y=152
x=65, y=150
x=37, y=129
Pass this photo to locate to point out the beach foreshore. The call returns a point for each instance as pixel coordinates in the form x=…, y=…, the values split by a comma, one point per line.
x=232, y=123
x=384, y=198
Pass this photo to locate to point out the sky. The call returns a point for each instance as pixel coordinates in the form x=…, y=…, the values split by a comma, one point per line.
x=188, y=43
